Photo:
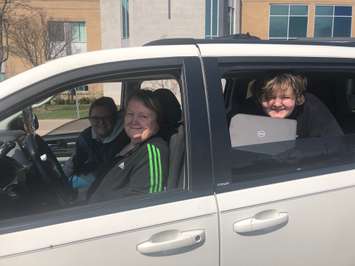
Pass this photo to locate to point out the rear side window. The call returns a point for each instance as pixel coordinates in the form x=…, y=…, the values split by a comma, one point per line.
x=278, y=135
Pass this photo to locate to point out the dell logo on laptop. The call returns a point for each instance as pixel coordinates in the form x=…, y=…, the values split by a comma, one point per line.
x=261, y=133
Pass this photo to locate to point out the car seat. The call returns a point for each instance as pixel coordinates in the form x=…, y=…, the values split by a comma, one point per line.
x=344, y=103
x=172, y=130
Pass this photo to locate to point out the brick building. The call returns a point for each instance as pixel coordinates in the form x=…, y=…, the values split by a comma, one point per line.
x=298, y=19
x=135, y=22
x=76, y=21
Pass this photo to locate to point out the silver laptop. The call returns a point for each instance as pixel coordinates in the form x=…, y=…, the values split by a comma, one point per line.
x=253, y=129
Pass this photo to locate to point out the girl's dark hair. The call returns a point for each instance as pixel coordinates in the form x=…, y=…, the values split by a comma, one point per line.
x=107, y=103
x=150, y=100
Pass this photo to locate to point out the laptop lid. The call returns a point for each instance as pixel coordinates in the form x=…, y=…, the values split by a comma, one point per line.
x=253, y=129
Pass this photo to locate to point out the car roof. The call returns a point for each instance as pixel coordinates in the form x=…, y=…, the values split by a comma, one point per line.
x=250, y=39
x=275, y=50
x=251, y=46
x=168, y=48
x=67, y=63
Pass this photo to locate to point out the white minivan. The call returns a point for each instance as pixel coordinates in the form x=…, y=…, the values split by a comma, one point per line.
x=285, y=202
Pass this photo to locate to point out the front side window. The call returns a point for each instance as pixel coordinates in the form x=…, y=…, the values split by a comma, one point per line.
x=61, y=121
x=288, y=21
x=333, y=21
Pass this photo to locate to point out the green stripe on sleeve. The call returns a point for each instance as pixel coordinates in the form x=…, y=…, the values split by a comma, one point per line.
x=156, y=175
x=160, y=171
x=151, y=181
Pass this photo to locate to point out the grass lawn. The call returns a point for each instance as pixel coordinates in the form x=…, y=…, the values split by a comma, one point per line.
x=61, y=111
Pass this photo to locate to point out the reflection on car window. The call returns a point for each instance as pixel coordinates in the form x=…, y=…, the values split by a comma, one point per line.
x=325, y=127
x=62, y=120
x=69, y=105
x=170, y=84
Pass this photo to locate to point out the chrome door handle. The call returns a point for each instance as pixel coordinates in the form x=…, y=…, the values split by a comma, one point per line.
x=269, y=219
x=172, y=242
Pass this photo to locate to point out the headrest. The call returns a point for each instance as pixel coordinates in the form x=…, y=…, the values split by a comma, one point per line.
x=171, y=109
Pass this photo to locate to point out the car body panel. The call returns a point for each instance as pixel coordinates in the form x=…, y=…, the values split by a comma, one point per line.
x=317, y=224
x=119, y=233
x=305, y=219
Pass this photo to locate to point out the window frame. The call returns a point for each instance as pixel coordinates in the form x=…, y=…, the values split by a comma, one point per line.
x=221, y=144
x=198, y=157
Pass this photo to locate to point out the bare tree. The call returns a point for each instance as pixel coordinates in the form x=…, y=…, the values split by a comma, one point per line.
x=32, y=40
x=8, y=9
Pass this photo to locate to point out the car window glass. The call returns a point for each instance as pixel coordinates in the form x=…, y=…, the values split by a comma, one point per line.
x=59, y=120
x=170, y=84
x=323, y=139
x=70, y=105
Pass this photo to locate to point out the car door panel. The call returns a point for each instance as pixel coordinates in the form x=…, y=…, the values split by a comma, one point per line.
x=113, y=239
x=298, y=222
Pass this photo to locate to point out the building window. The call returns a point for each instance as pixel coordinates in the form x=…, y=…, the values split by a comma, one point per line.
x=288, y=21
x=125, y=20
x=211, y=19
x=81, y=88
x=78, y=31
x=66, y=31
x=229, y=11
x=67, y=37
x=56, y=31
x=2, y=76
x=332, y=21
x=169, y=9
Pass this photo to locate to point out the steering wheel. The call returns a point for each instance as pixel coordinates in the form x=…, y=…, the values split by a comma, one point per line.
x=49, y=168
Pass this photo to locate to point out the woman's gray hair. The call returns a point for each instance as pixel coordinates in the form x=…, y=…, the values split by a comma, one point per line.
x=150, y=100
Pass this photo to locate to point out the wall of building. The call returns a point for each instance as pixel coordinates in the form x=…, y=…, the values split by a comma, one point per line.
x=87, y=11
x=110, y=23
x=255, y=15
x=149, y=20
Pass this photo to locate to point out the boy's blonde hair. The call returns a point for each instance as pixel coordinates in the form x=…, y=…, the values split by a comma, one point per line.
x=267, y=88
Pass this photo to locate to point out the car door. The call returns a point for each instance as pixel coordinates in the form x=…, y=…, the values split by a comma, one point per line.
x=174, y=227
x=290, y=209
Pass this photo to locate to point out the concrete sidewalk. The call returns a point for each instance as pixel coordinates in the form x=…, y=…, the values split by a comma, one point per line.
x=49, y=124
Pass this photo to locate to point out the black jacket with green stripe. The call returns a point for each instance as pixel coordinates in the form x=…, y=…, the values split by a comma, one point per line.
x=143, y=170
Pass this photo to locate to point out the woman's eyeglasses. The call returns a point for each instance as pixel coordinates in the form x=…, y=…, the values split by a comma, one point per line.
x=98, y=119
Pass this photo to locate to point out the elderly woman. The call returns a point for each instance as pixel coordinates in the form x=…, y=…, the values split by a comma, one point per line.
x=284, y=96
x=142, y=165
x=98, y=144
